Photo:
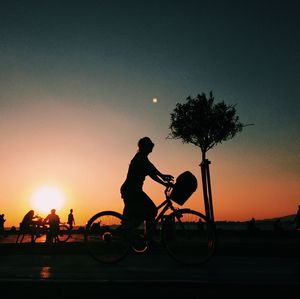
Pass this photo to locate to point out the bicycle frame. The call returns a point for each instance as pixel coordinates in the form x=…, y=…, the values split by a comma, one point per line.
x=179, y=232
x=164, y=206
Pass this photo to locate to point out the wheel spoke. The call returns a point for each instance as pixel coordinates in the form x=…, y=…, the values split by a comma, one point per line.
x=189, y=237
x=105, y=238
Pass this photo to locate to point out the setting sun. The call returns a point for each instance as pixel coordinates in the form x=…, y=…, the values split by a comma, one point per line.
x=46, y=198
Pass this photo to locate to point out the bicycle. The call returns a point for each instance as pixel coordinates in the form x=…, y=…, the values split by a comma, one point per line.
x=187, y=235
x=39, y=230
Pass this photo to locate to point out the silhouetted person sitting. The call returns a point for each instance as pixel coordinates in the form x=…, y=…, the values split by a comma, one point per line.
x=138, y=205
x=53, y=221
x=28, y=225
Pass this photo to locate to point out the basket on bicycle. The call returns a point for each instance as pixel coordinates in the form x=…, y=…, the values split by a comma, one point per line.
x=185, y=185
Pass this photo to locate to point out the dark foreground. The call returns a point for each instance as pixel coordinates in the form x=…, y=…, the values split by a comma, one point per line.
x=261, y=266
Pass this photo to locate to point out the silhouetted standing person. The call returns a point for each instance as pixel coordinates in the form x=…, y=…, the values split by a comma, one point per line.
x=71, y=220
x=53, y=221
x=252, y=225
x=2, y=220
x=138, y=205
x=297, y=219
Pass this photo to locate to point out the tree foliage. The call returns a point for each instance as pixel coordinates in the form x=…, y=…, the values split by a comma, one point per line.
x=203, y=123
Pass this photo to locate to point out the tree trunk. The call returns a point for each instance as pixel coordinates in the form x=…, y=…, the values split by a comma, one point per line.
x=207, y=194
x=203, y=156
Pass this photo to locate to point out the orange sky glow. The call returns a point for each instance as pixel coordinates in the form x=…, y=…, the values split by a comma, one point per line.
x=76, y=96
x=70, y=148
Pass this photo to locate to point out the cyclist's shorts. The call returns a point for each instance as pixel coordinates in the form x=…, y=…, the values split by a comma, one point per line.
x=186, y=184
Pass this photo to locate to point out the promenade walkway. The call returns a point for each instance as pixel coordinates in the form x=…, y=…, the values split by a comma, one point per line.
x=240, y=269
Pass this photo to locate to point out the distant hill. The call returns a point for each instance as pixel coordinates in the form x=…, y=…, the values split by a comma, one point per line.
x=287, y=218
x=263, y=224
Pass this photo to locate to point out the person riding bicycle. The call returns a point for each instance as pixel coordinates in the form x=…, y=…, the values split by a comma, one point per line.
x=138, y=205
x=53, y=220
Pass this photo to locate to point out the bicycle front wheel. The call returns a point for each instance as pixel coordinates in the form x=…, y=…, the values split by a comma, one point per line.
x=189, y=237
x=105, y=237
x=64, y=233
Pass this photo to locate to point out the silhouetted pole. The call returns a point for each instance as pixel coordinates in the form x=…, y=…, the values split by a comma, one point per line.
x=207, y=194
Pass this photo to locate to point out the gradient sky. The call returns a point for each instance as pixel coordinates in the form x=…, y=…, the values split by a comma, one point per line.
x=77, y=80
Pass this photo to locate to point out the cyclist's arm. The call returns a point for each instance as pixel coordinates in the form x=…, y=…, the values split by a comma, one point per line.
x=46, y=219
x=157, y=176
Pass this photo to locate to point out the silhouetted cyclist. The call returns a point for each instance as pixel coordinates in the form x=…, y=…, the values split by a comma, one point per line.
x=28, y=225
x=53, y=220
x=138, y=205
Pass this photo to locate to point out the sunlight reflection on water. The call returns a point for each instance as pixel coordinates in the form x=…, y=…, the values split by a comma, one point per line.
x=45, y=272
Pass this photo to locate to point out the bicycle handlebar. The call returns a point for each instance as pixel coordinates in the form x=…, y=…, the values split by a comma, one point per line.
x=168, y=190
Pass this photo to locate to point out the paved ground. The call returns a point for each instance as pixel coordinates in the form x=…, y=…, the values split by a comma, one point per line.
x=239, y=270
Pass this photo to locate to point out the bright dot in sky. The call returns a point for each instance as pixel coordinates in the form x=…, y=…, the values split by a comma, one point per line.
x=154, y=100
x=46, y=198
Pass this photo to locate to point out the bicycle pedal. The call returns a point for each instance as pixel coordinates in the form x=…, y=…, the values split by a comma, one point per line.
x=139, y=244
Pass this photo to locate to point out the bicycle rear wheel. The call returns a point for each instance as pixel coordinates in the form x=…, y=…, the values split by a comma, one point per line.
x=64, y=233
x=189, y=237
x=105, y=237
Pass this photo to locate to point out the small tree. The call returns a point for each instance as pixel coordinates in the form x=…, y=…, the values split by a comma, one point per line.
x=201, y=122
x=205, y=124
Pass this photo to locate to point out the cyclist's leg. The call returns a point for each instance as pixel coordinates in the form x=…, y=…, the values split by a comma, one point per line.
x=21, y=232
x=148, y=212
x=131, y=220
x=49, y=235
x=55, y=233
x=132, y=223
x=139, y=209
x=31, y=230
